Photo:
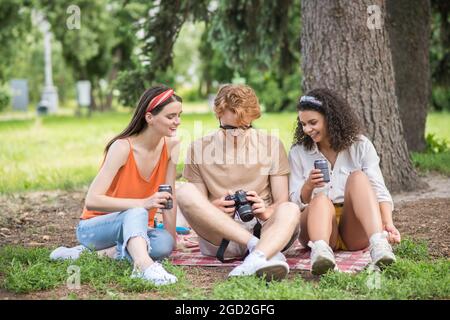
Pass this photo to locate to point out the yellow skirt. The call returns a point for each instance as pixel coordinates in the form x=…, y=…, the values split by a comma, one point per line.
x=338, y=209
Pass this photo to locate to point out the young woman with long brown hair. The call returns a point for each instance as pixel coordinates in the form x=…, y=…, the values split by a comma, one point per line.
x=123, y=198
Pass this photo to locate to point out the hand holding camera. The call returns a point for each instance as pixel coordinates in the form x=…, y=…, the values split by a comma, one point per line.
x=242, y=206
x=259, y=206
x=226, y=206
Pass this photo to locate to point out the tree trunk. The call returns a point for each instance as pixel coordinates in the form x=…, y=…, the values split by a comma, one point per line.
x=341, y=50
x=409, y=32
x=113, y=76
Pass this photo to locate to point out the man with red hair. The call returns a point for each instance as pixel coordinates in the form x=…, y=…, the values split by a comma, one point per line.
x=239, y=157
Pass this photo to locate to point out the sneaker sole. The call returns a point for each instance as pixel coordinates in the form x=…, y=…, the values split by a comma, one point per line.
x=384, y=262
x=275, y=272
x=321, y=266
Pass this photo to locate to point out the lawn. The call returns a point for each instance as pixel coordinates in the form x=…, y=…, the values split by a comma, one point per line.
x=414, y=276
x=65, y=152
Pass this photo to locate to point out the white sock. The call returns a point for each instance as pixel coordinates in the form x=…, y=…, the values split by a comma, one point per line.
x=319, y=243
x=258, y=254
x=376, y=237
x=251, y=244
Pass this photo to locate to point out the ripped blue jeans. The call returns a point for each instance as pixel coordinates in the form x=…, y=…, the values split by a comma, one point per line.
x=115, y=229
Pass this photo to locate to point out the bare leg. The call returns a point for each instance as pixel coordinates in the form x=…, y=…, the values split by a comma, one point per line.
x=108, y=252
x=208, y=221
x=278, y=230
x=361, y=216
x=137, y=248
x=318, y=222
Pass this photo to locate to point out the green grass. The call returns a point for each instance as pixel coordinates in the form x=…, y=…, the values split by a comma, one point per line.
x=414, y=276
x=29, y=270
x=65, y=152
x=438, y=123
x=432, y=162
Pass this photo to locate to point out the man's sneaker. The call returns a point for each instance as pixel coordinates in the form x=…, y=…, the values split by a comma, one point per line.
x=322, y=257
x=64, y=253
x=256, y=263
x=156, y=274
x=278, y=257
x=381, y=252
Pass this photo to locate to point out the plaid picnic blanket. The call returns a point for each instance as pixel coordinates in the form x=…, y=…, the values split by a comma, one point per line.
x=188, y=254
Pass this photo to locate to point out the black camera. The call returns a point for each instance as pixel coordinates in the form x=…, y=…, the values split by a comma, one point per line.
x=243, y=206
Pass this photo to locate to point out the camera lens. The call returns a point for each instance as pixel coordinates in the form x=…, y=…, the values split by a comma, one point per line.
x=245, y=212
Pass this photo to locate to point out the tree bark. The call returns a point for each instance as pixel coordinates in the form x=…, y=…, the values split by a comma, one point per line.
x=409, y=28
x=117, y=58
x=341, y=52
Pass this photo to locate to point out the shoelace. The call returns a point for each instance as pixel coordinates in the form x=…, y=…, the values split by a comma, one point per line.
x=319, y=249
x=382, y=243
x=158, y=269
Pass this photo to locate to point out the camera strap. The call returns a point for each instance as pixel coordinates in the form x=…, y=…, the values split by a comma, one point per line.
x=224, y=244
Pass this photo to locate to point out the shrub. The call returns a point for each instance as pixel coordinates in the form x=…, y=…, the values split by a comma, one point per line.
x=436, y=145
x=5, y=97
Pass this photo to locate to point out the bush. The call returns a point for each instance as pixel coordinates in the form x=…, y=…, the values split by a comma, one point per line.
x=440, y=98
x=5, y=97
x=436, y=145
x=190, y=94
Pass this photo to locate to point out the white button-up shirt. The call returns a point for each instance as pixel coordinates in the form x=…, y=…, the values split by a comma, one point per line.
x=361, y=155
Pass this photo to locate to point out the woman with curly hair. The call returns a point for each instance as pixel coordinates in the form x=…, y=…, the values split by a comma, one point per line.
x=354, y=209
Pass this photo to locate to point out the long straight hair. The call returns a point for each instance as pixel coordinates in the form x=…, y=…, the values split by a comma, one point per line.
x=138, y=122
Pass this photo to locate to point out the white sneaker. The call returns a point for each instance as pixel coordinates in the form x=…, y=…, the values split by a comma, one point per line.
x=64, y=253
x=278, y=257
x=256, y=263
x=156, y=274
x=322, y=257
x=381, y=252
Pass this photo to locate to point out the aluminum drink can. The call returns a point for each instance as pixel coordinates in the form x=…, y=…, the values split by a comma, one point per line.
x=322, y=164
x=167, y=188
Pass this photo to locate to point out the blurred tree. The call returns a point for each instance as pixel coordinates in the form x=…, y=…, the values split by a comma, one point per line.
x=440, y=54
x=260, y=41
x=408, y=26
x=101, y=46
x=160, y=28
x=240, y=36
x=15, y=22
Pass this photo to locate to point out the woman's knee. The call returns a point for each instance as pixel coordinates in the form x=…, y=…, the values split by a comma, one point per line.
x=136, y=214
x=161, y=243
x=135, y=221
x=357, y=175
x=320, y=200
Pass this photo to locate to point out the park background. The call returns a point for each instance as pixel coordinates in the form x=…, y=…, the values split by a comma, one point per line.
x=393, y=68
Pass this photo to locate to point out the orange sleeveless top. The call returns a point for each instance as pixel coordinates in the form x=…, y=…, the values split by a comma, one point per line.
x=128, y=183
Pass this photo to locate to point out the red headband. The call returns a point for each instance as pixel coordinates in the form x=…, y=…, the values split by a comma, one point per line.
x=160, y=98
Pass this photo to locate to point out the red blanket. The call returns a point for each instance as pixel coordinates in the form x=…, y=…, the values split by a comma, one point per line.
x=188, y=254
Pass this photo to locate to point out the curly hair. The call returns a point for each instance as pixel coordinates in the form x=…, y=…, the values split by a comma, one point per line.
x=342, y=124
x=240, y=99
